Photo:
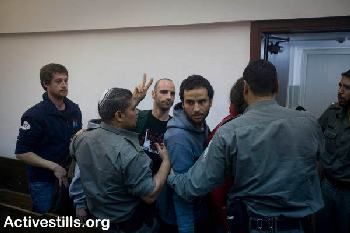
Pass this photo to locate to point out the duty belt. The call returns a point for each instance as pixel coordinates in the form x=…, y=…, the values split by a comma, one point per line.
x=272, y=224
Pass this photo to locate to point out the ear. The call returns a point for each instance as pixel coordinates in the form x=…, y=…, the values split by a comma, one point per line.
x=210, y=102
x=153, y=94
x=245, y=88
x=118, y=115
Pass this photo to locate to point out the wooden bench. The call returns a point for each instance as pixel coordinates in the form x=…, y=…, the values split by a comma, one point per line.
x=15, y=201
x=13, y=175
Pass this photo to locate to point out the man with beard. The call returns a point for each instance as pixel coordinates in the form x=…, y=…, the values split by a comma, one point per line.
x=185, y=139
x=44, y=137
x=271, y=152
x=335, y=163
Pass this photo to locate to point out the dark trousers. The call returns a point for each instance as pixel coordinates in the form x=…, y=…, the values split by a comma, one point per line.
x=335, y=216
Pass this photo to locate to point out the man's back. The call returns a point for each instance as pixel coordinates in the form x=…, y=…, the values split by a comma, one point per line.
x=275, y=160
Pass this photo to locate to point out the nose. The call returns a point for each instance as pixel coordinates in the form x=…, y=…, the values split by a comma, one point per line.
x=65, y=84
x=196, y=107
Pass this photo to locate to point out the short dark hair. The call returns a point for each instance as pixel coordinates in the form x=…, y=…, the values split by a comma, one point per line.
x=236, y=96
x=261, y=77
x=193, y=82
x=346, y=74
x=113, y=100
x=47, y=72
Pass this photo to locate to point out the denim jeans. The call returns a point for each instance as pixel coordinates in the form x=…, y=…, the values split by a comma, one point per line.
x=41, y=193
x=335, y=216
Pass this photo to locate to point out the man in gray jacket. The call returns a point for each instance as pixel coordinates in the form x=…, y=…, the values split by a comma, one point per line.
x=271, y=153
x=114, y=170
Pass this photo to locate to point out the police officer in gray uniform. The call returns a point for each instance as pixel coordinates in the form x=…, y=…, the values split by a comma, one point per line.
x=335, y=163
x=115, y=172
x=271, y=152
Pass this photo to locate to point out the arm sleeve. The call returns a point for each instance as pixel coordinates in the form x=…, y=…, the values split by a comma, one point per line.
x=208, y=172
x=181, y=155
x=30, y=134
x=185, y=216
x=138, y=176
x=76, y=191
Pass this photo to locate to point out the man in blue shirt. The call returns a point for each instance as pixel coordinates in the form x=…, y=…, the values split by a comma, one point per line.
x=185, y=139
x=44, y=136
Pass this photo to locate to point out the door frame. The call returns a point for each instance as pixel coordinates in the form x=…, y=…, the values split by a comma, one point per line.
x=285, y=26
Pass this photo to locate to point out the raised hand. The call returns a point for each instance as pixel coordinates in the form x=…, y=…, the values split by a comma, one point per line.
x=141, y=89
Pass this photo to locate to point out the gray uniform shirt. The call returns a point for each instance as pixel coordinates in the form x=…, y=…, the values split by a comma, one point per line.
x=271, y=152
x=115, y=171
x=336, y=158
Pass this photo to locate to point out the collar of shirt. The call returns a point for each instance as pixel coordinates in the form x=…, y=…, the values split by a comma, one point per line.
x=130, y=135
x=260, y=104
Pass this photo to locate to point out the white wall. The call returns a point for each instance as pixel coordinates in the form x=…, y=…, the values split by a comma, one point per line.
x=62, y=15
x=107, y=58
x=142, y=36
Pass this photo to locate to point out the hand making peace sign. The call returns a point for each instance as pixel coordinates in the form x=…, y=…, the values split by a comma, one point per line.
x=141, y=89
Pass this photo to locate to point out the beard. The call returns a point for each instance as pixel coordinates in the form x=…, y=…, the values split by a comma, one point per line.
x=164, y=105
x=343, y=102
x=198, y=119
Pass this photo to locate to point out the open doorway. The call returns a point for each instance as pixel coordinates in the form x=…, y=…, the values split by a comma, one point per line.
x=309, y=55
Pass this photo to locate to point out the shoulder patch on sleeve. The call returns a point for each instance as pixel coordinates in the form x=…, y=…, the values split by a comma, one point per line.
x=25, y=125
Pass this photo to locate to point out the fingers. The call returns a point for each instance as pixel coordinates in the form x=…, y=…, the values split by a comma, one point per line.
x=65, y=181
x=61, y=175
x=145, y=85
x=144, y=79
x=160, y=146
x=139, y=89
x=163, y=152
x=81, y=214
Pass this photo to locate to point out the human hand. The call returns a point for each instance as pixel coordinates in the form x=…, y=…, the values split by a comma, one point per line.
x=81, y=214
x=163, y=152
x=141, y=89
x=61, y=175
